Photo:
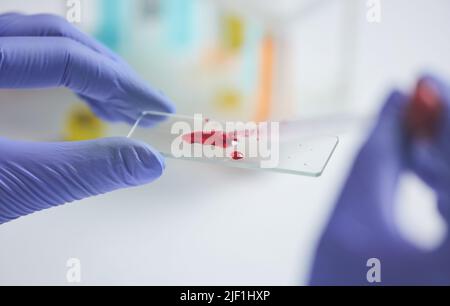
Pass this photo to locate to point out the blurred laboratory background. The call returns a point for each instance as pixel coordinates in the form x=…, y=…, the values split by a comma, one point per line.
x=298, y=60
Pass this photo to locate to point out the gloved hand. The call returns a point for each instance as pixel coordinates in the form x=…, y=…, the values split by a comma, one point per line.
x=430, y=156
x=363, y=224
x=44, y=51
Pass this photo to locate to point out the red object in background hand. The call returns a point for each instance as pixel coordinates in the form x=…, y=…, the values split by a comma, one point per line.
x=425, y=112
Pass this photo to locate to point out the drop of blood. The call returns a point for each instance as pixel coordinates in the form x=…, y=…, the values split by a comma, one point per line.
x=237, y=155
x=425, y=111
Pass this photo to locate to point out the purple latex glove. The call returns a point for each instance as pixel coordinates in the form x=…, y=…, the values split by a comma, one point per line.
x=363, y=225
x=44, y=51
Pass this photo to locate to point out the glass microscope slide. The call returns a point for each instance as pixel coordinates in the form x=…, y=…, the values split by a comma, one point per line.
x=243, y=145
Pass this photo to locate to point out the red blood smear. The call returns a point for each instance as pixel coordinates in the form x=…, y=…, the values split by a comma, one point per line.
x=217, y=139
x=237, y=155
x=246, y=133
x=425, y=112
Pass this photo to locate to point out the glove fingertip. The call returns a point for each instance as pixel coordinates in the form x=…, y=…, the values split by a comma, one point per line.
x=171, y=108
x=149, y=156
x=163, y=103
x=145, y=164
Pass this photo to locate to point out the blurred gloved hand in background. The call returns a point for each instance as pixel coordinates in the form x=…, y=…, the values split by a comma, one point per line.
x=44, y=51
x=412, y=134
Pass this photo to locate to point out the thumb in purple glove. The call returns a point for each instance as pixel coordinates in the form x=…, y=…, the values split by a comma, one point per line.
x=37, y=176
